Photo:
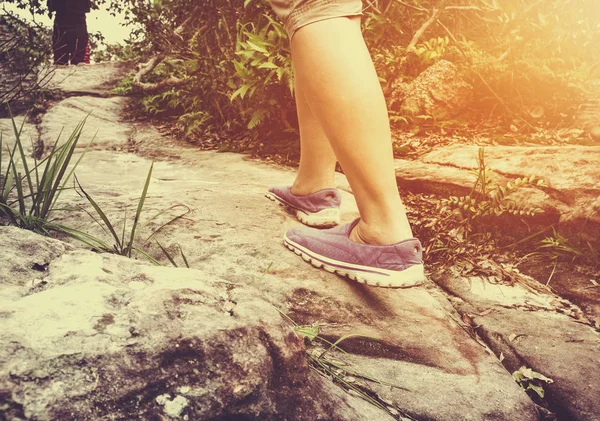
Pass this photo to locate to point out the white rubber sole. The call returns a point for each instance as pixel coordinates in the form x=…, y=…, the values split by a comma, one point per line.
x=323, y=219
x=408, y=278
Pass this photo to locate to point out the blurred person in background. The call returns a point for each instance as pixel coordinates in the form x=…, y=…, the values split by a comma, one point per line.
x=70, y=36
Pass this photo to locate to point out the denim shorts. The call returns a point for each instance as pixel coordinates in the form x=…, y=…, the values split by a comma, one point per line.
x=298, y=13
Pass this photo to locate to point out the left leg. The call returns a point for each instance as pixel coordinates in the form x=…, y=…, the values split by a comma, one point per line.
x=60, y=47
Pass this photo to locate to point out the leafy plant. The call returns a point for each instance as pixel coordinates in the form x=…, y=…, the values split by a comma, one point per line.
x=530, y=380
x=262, y=68
x=125, y=87
x=430, y=52
x=559, y=246
x=488, y=198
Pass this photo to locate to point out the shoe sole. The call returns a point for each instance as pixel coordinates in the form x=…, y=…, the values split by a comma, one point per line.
x=325, y=218
x=382, y=278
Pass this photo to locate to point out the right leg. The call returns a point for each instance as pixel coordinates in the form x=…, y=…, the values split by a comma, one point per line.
x=80, y=43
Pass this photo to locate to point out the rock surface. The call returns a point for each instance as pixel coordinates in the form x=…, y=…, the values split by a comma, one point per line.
x=572, y=198
x=539, y=331
x=226, y=241
x=102, y=337
x=438, y=92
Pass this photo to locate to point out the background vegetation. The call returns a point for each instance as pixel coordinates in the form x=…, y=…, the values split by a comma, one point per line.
x=221, y=72
x=23, y=65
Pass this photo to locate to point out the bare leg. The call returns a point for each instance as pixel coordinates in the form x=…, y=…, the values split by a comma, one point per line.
x=317, y=160
x=339, y=82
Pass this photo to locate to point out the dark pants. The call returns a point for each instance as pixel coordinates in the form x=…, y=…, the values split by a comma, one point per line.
x=69, y=39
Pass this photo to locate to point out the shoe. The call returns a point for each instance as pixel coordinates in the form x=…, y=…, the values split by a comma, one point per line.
x=320, y=209
x=397, y=265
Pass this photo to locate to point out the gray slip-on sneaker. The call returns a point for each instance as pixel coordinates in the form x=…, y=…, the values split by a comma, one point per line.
x=320, y=209
x=397, y=265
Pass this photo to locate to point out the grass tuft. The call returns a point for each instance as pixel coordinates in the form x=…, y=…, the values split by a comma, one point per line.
x=29, y=193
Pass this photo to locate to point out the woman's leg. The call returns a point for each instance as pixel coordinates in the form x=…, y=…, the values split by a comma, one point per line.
x=338, y=80
x=317, y=160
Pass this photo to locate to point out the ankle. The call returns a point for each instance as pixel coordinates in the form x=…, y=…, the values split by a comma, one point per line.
x=304, y=188
x=380, y=234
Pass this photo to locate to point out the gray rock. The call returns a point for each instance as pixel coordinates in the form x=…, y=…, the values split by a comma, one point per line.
x=107, y=338
x=439, y=92
x=90, y=80
x=540, y=331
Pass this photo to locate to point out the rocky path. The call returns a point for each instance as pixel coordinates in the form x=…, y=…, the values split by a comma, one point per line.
x=101, y=337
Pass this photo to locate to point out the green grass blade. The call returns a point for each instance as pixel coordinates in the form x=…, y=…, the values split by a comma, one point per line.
x=47, y=176
x=100, y=213
x=9, y=176
x=166, y=253
x=152, y=259
x=37, y=184
x=19, y=186
x=340, y=340
x=286, y=317
x=81, y=236
x=68, y=177
x=21, y=151
x=94, y=219
x=183, y=257
x=63, y=162
x=8, y=211
x=123, y=234
x=139, y=211
x=188, y=210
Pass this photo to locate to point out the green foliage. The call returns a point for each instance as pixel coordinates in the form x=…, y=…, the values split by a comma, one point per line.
x=115, y=52
x=22, y=62
x=558, y=247
x=530, y=59
x=488, y=198
x=430, y=52
x=28, y=193
x=532, y=381
x=263, y=72
x=125, y=87
x=233, y=59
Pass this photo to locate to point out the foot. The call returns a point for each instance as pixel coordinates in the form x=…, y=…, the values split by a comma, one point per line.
x=398, y=265
x=320, y=209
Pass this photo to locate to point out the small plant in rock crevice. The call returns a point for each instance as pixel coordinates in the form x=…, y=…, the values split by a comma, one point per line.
x=530, y=380
x=319, y=352
x=125, y=239
x=489, y=198
x=458, y=232
x=559, y=246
